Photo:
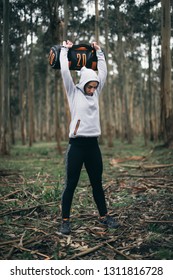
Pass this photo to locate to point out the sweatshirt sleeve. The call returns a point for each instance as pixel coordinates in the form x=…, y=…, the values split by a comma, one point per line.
x=102, y=69
x=65, y=72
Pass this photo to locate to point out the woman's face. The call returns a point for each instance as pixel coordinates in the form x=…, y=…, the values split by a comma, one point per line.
x=90, y=87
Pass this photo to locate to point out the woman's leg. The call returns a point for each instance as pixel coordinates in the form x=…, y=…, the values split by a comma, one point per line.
x=94, y=167
x=73, y=165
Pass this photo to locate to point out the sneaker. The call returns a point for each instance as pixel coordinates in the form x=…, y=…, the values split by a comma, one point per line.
x=65, y=227
x=109, y=222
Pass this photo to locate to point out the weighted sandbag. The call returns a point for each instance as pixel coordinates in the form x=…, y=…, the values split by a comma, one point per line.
x=78, y=56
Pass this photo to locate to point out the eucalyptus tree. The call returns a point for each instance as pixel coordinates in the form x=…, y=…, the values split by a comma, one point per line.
x=5, y=98
x=166, y=79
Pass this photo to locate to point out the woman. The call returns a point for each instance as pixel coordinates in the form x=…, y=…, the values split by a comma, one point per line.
x=83, y=148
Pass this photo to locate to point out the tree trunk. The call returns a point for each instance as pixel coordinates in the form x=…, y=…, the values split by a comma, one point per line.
x=40, y=114
x=108, y=101
x=122, y=87
x=96, y=21
x=22, y=93
x=65, y=20
x=57, y=116
x=101, y=100
x=48, y=107
x=166, y=95
x=5, y=110
x=128, y=130
x=145, y=113
x=57, y=29
x=150, y=94
x=31, y=94
x=12, y=117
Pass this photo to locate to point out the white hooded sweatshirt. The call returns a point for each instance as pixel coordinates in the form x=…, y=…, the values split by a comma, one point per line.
x=84, y=109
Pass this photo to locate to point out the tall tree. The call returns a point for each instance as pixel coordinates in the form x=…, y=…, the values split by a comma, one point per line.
x=65, y=20
x=31, y=88
x=22, y=93
x=5, y=109
x=109, y=119
x=96, y=21
x=56, y=27
x=166, y=94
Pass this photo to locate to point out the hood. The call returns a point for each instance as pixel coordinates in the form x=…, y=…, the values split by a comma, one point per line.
x=87, y=75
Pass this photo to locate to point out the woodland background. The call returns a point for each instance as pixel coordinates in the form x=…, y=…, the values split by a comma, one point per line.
x=137, y=39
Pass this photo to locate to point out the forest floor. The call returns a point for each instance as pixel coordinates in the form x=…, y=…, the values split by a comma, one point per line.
x=138, y=184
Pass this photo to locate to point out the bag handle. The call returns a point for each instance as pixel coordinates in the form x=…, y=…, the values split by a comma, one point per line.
x=80, y=46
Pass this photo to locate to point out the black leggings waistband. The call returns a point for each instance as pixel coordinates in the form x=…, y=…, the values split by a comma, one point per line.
x=84, y=140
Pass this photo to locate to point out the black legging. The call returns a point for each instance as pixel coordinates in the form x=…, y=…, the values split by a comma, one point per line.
x=83, y=150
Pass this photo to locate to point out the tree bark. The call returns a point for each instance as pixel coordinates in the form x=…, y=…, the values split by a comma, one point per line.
x=166, y=95
x=57, y=115
x=65, y=24
x=57, y=29
x=96, y=21
x=48, y=107
x=22, y=93
x=31, y=94
x=5, y=110
x=108, y=101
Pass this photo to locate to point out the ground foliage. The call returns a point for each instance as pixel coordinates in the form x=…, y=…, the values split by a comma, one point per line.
x=138, y=184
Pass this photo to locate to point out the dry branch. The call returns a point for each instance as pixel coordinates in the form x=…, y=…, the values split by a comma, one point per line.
x=18, y=210
x=9, y=242
x=155, y=221
x=33, y=252
x=147, y=166
x=151, y=177
x=90, y=250
x=120, y=253
x=8, y=256
x=9, y=194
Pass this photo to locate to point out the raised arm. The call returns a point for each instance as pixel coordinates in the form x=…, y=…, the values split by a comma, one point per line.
x=101, y=65
x=65, y=72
